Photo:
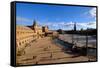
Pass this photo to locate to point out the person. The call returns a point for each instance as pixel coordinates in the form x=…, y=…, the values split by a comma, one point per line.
x=34, y=57
x=51, y=55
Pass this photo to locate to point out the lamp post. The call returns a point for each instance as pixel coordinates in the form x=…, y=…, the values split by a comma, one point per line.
x=87, y=43
x=72, y=39
x=74, y=31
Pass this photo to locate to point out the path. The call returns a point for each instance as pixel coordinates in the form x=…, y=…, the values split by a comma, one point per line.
x=44, y=51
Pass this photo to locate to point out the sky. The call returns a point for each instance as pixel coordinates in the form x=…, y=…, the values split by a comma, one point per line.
x=56, y=16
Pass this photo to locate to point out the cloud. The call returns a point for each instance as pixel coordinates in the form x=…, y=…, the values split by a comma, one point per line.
x=93, y=12
x=70, y=25
x=22, y=19
x=59, y=25
x=92, y=24
x=85, y=25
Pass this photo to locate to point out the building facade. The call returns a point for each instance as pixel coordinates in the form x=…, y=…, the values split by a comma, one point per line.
x=27, y=34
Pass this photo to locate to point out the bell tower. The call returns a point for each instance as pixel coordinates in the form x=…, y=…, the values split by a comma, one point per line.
x=35, y=26
x=34, y=23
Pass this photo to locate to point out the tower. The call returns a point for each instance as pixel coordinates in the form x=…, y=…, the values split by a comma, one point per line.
x=34, y=23
x=35, y=26
x=75, y=26
x=45, y=28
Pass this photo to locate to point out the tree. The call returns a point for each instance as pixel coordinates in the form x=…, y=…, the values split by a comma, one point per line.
x=60, y=31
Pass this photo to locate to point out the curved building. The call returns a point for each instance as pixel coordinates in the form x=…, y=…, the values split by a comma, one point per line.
x=27, y=34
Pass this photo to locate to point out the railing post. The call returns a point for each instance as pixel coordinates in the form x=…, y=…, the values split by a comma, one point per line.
x=72, y=38
x=87, y=43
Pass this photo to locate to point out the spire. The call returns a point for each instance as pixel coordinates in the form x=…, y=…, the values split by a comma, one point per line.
x=34, y=23
x=75, y=26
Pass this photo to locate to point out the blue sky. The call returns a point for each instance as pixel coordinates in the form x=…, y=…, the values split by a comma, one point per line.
x=56, y=16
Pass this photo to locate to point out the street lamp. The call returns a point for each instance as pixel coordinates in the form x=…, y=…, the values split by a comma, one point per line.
x=87, y=43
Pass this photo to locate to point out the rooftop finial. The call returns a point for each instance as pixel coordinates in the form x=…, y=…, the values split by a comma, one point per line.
x=34, y=23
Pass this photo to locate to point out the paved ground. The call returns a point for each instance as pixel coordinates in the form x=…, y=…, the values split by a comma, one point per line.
x=45, y=51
